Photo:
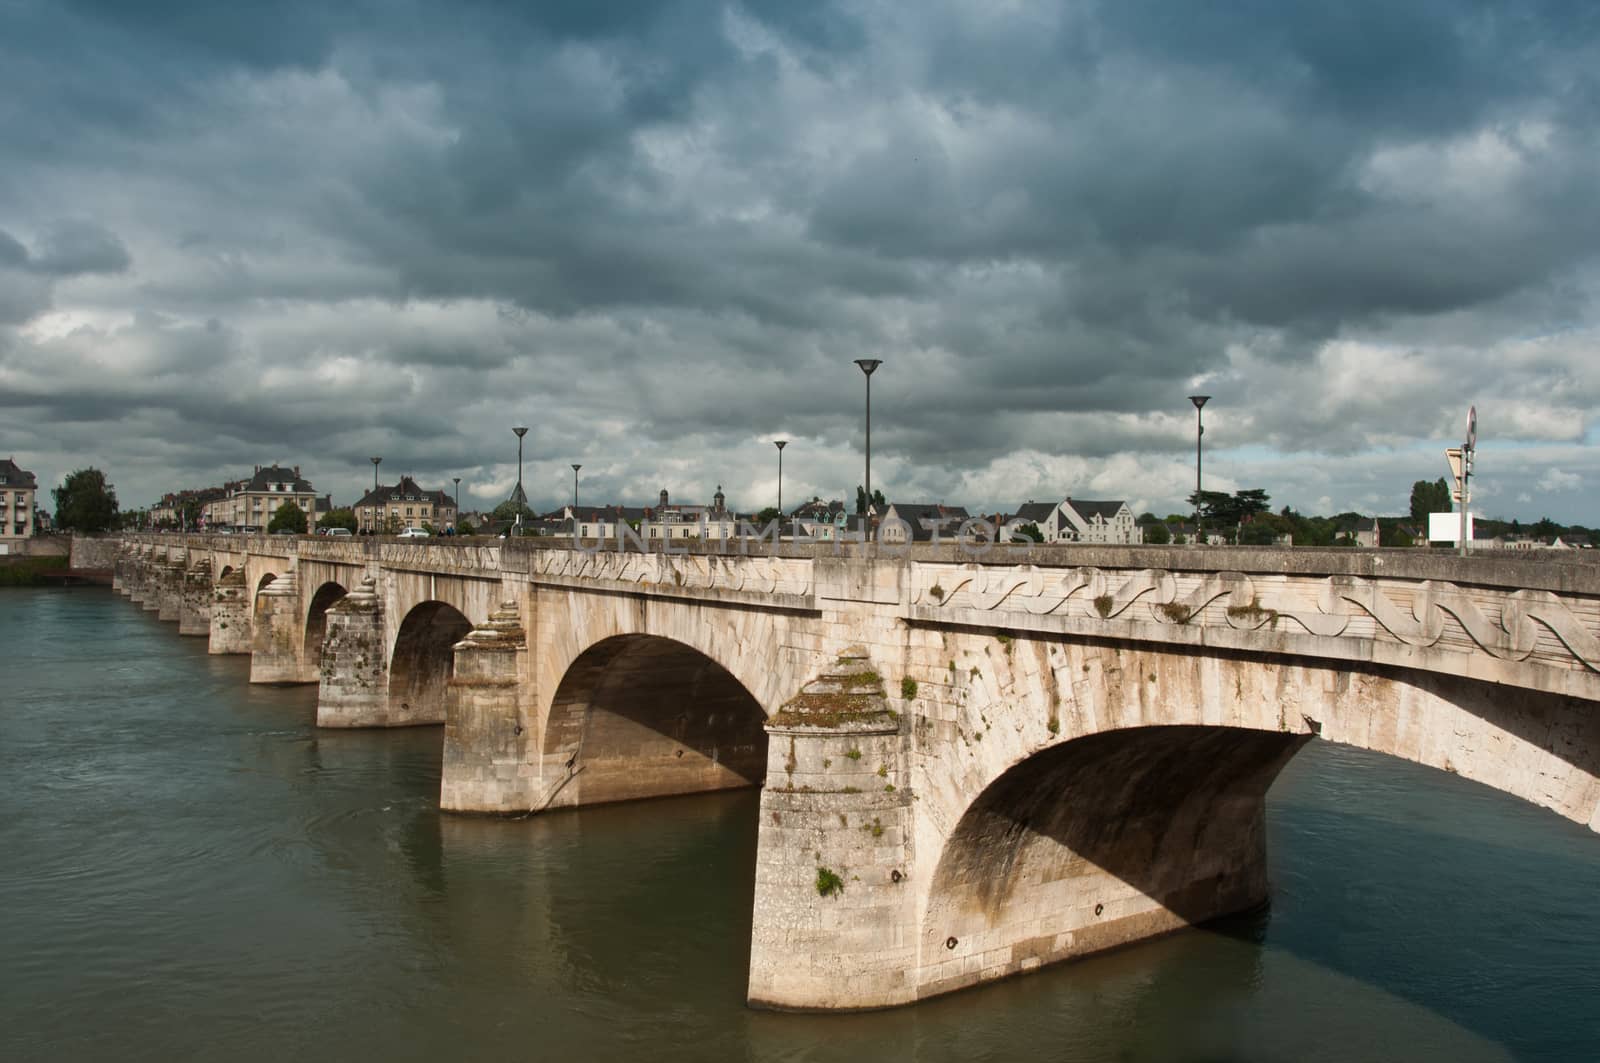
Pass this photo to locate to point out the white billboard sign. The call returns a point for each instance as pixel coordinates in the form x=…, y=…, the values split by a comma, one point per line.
x=1446, y=527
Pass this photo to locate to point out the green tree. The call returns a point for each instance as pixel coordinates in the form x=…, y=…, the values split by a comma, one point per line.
x=464, y=527
x=768, y=515
x=392, y=524
x=1157, y=533
x=85, y=502
x=1429, y=498
x=877, y=501
x=1027, y=531
x=343, y=517
x=288, y=517
x=508, y=510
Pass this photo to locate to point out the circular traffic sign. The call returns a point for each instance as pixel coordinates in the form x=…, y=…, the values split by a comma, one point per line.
x=1472, y=428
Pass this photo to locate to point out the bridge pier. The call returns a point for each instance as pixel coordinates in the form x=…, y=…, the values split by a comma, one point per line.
x=194, y=608
x=149, y=596
x=171, y=574
x=834, y=924
x=491, y=751
x=353, y=688
x=275, y=640
x=228, y=619
x=119, y=571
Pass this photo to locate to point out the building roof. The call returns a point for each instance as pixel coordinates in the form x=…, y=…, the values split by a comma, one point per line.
x=923, y=516
x=266, y=475
x=817, y=509
x=1088, y=509
x=405, y=491
x=1034, y=512
x=12, y=476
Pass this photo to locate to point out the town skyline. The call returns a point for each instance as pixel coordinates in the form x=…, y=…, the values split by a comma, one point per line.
x=658, y=237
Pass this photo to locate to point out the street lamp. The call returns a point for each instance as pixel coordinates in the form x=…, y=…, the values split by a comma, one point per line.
x=457, y=479
x=575, y=469
x=1199, y=432
x=519, y=496
x=780, y=444
x=372, y=528
x=869, y=366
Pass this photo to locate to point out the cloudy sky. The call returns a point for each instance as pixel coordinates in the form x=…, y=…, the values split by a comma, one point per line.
x=658, y=233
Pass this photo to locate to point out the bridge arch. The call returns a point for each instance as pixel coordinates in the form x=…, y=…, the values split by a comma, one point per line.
x=423, y=661
x=226, y=570
x=639, y=716
x=1132, y=802
x=316, y=625
x=265, y=581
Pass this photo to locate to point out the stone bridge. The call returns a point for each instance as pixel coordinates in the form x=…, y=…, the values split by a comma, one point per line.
x=969, y=768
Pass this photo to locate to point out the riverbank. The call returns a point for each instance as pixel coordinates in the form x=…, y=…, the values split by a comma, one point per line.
x=28, y=571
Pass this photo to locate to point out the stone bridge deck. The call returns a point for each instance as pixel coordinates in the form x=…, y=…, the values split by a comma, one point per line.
x=1003, y=761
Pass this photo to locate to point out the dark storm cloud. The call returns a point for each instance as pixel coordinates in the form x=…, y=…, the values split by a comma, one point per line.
x=667, y=227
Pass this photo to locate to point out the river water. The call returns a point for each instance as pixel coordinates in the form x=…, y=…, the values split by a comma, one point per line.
x=190, y=870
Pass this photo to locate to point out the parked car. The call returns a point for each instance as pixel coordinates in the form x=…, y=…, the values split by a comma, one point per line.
x=413, y=533
x=337, y=531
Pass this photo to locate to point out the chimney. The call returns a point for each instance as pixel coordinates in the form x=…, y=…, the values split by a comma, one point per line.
x=297, y=472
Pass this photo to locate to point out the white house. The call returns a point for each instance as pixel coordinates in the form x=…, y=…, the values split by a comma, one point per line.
x=1077, y=520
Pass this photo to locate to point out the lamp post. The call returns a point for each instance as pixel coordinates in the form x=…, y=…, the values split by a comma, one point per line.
x=519, y=496
x=780, y=444
x=575, y=469
x=457, y=520
x=1199, y=432
x=869, y=366
x=372, y=528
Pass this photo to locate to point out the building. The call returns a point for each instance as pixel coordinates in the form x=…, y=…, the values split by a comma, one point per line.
x=17, y=488
x=1077, y=520
x=404, y=505
x=924, y=519
x=1099, y=522
x=175, y=506
x=1362, y=530
x=248, y=505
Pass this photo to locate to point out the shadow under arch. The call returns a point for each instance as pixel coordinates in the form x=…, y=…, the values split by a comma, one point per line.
x=265, y=581
x=1099, y=842
x=317, y=619
x=226, y=570
x=422, y=663
x=639, y=716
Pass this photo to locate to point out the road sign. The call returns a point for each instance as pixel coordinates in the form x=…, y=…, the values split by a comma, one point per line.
x=1472, y=428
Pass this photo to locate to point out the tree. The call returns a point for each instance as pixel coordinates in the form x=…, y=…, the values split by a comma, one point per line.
x=464, y=527
x=392, y=524
x=343, y=517
x=1222, y=510
x=1429, y=498
x=1027, y=531
x=1157, y=533
x=768, y=515
x=877, y=501
x=508, y=510
x=288, y=517
x=85, y=502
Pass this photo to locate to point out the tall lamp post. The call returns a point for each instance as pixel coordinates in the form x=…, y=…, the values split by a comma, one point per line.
x=780, y=444
x=575, y=469
x=869, y=366
x=1199, y=433
x=457, y=521
x=519, y=496
x=372, y=528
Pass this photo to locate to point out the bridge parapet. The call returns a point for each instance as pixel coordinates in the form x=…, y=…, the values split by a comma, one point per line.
x=1535, y=639
x=455, y=558
x=779, y=582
